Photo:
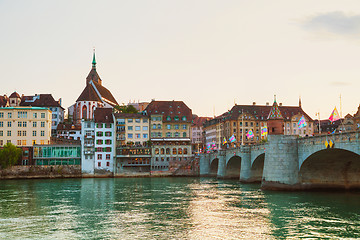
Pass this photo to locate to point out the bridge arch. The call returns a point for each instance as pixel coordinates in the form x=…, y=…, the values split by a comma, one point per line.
x=331, y=168
x=233, y=167
x=257, y=168
x=214, y=164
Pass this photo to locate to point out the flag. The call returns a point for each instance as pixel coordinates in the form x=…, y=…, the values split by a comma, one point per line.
x=334, y=115
x=224, y=141
x=333, y=131
x=264, y=131
x=302, y=123
x=232, y=139
x=250, y=134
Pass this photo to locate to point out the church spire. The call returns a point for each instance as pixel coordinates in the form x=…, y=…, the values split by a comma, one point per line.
x=94, y=61
x=299, y=101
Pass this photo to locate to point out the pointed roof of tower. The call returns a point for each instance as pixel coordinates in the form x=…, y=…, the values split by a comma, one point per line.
x=275, y=111
x=93, y=75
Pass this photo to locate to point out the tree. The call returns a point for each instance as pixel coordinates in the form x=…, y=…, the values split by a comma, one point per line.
x=9, y=155
x=126, y=109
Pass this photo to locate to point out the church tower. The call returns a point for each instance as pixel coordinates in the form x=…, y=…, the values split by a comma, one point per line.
x=275, y=120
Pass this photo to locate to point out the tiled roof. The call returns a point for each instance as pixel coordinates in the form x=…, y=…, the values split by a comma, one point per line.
x=103, y=115
x=3, y=101
x=199, y=121
x=130, y=115
x=105, y=93
x=89, y=94
x=14, y=95
x=44, y=100
x=94, y=76
x=275, y=112
x=261, y=112
x=170, y=109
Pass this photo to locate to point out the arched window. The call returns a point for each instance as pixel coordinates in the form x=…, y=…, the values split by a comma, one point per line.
x=176, y=134
x=156, y=151
x=184, y=134
x=185, y=151
x=180, y=151
x=174, y=151
x=159, y=126
x=162, y=151
x=154, y=126
x=168, y=151
x=168, y=134
x=84, y=112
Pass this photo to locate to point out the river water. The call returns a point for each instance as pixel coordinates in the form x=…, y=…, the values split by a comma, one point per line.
x=171, y=208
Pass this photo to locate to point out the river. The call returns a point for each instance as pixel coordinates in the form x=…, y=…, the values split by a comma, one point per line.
x=171, y=208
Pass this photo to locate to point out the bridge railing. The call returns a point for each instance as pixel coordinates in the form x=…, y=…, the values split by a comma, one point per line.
x=336, y=137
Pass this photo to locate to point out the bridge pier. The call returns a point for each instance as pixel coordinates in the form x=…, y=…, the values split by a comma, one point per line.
x=281, y=165
x=204, y=164
x=221, y=167
x=245, y=171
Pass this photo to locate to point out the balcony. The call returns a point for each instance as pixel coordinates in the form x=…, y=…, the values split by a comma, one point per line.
x=89, y=152
x=89, y=144
x=89, y=136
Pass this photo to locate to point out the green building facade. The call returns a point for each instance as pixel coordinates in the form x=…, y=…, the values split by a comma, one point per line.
x=57, y=154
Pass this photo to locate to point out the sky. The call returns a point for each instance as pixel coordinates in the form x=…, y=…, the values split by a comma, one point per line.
x=208, y=53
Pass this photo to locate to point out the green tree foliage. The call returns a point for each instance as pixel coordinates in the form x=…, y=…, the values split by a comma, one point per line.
x=9, y=155
x=126, y=109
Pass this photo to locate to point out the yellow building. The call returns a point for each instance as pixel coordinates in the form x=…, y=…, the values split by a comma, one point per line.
x=25, y=126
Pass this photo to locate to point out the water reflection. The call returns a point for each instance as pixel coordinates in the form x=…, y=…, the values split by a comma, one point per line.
x=170, y=208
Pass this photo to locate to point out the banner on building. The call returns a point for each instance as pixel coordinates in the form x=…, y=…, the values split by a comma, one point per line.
x=302, y=123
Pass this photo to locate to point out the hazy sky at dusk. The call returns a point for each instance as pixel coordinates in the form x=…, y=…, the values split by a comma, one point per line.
x=206, y=53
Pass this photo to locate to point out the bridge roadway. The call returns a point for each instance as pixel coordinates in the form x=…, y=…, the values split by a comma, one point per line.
x=290, y=162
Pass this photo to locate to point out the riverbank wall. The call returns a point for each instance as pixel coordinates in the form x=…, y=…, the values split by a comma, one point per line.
x=29, y=172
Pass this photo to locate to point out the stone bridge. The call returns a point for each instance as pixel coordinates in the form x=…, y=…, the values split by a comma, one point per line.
x=289, y=162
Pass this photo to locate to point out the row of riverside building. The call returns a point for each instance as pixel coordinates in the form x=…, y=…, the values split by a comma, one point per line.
x=103, y=140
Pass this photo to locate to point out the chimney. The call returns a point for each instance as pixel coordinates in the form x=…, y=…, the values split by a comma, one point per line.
x=254, y=103
x=280, y=104
x=60, y=100
x=267, y=103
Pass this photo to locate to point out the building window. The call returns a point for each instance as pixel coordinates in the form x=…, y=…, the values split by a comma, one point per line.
x=180, y=151
x=184, y=118
x=1, y=115
x=34, y=133
x=159, y=134
x=185, y=151
x=99, y=156
x=145, y=128
x=1, y=124
x=184, y=134
x=154, y=126
x=130, y=128
x=19, y=133
x=176, y=134
x=9, y=124
x=137, y=128
x=9, y=133
x=107, y=156
x=42, y=133
x=1, y=133
x=99, y=134
x=130, y=135
x=159, y=126
x=19, y=124
x=137, y=135
x=145, y=135
x=107, y=125
x=99, y=141
x=9, y=115
x=145, y=120
x=35, y=115
x=168, y=126
x=137, y=120
x=24, y=133
x=34, y=124
x=184, y=126
x=156, y=151
x=107, y=164
x=42, y=142
x=108, y=134
x=168, y=134
x=34, y=142
x=99, y=164
x=42, y=115
x=108, y=141
x=99, y=125
x=162, y=151
x=18, y=142
x=174, y=151
x=130, y=120
x=23, y=142
x=42, y=124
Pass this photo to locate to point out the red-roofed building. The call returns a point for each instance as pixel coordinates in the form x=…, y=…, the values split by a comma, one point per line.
x=170, y=125
x=242, y=118
x=94, y=95
x=197, y=137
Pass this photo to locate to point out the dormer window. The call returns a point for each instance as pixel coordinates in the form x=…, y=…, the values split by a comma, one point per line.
x=176, y=118
x=184, y=118
x=168, y=118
